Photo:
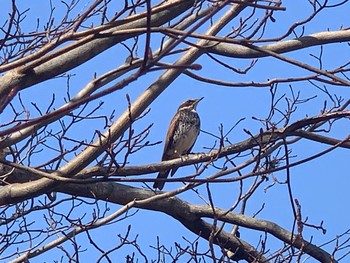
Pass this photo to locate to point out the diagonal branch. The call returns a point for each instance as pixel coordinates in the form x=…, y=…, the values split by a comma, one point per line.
x=17, y=79
x=233, y=48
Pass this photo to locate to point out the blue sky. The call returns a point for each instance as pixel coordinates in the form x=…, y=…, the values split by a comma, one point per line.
x=321, y=186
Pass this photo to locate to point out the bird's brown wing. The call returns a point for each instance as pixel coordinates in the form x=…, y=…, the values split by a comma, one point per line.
x=169, y=139
x=168, y=144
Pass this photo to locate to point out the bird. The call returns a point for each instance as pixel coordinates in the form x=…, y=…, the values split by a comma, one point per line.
x=4, y=152
x=182, y=134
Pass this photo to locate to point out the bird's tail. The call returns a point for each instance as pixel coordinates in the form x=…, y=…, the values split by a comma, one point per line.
x=162, y=175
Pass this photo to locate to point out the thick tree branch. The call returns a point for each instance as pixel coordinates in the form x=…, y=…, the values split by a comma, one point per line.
x=9, y=193
x=191, y=216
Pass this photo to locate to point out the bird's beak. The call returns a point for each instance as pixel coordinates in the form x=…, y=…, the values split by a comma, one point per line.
x=198, y=100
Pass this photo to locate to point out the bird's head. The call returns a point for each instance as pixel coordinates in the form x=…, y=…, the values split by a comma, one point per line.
x=4, y=152
x=190, y=104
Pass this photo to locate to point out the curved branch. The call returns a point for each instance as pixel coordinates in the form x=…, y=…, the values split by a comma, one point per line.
x=13, y=192
x=191, y=216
